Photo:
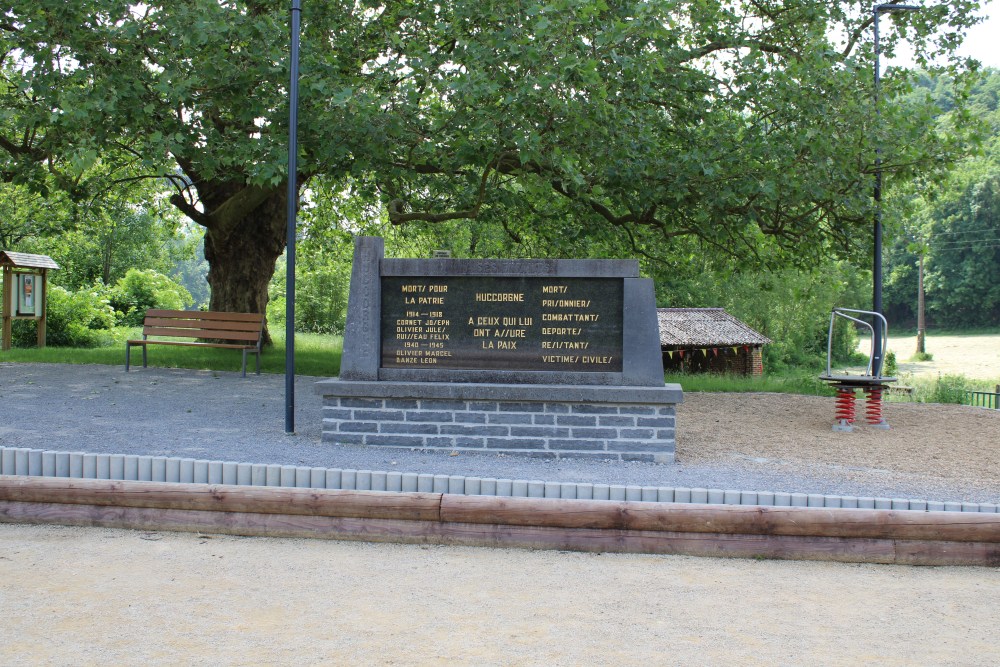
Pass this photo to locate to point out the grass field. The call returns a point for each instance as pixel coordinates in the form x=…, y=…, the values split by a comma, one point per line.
x=315, y=354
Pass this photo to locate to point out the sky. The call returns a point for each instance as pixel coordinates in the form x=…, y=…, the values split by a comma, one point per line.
x=983, y=40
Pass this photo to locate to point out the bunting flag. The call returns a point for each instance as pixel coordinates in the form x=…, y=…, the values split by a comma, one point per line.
x=715, y=351
x=680, y=353
x=670, y=353
x=736, y=350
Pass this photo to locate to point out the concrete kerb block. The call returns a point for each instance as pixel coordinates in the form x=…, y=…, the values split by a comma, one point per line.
x=505, y=487
x=76, y=465
x=699, y=496
x=488, y=487
x=258, y=474
x=379, y=480
x=731, y=497
x=782, y=499
x=200, y=475
x=568, y=491
x=335, y=478
x=935, y=506
x=883, y=503
x=473, y=486
x=48, y=464
x=103, y=467
x=425, y=483
x=287, y=477
x=900, y=504
x=173, y=470
x=215, y=469
x=633, y=493
x=800, y=500
x=536, y=489
x=231, y=472
x=456, y=485
x=145, y=469
x=349, y=480
x=866, y=503
x=394, y=481
x=62, y=464
x=970, y=507
x=832, y=501
x=602, y=492
x=682, y=495
x=440, y=484
x=186, y=471
x=716, y=496
x=552, y=490
x=364, y=480
x=585, y=491
x=815, y=500
x=6, y=461
x=748, y=498
x=519, y=488
x=616, y=492
x=765, y=498
x=303, y=477
x=650, y=494
x=849, y=501
x=157, y=469
x=665, y=494
x=408, y=481
x=35, y=462
x=273, y=475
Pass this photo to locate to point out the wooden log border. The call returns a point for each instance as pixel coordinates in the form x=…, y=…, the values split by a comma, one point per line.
x=849, y=535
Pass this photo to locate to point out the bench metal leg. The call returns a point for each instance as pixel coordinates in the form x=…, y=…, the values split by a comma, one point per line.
x=244, y=363
x=144, y=356
x=258, y=362
x=128, y=351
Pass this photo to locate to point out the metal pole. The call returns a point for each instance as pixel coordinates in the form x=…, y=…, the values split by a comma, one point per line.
x=877, y=196
x=293, y=200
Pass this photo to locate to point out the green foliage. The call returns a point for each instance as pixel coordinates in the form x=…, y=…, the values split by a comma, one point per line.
x=790, y=307
x=74, y=319
x=949, y=389
x=890, y=367
x=922, y=356
x=137, y=291
x=953, y=222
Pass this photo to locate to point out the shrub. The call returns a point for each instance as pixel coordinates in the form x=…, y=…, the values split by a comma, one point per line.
x=137, y=291
x=949, y=389
x=891, y=366
x=73, y=319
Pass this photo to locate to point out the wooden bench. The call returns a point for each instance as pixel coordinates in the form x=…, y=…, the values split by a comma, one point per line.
x=234, y=331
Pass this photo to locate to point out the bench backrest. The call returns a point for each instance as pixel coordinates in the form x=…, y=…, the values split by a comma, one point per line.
x=242, y=327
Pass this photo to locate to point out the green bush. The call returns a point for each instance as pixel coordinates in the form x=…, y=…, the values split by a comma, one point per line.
x=949, y=389
x=137, y=291
x=891, y=366
x=73, y=319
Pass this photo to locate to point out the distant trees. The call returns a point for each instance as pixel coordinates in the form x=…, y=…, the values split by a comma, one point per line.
x=955, y=222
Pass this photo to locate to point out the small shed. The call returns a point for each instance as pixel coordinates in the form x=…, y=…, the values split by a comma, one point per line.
x=24, y=291
x=709, y=340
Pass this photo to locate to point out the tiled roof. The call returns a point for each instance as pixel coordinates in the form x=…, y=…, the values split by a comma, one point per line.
x=704, y=326
x=23, y=260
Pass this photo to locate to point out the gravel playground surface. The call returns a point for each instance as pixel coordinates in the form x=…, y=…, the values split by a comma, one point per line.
x=747, y=442
x=91, y=596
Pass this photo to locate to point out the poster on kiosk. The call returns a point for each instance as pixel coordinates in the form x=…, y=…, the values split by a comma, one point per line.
x=28, y=296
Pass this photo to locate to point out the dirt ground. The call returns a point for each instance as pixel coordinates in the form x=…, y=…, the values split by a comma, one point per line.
x=87, y=596
x=929, y=445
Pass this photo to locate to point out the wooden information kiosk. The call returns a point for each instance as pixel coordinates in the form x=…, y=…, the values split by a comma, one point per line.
x=25, y=289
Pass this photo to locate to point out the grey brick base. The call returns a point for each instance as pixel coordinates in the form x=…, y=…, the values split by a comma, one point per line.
x=539, y=421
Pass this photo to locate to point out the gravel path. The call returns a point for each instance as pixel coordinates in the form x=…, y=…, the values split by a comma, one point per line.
x=90, y=596
x=750, y=442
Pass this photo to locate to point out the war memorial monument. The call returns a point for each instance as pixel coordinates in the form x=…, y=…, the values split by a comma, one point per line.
x=542, y=358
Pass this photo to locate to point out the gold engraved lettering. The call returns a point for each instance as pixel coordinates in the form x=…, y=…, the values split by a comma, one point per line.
x=500, y=296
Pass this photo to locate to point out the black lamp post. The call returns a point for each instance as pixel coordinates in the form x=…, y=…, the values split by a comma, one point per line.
x=877, y=259
x=293, y=200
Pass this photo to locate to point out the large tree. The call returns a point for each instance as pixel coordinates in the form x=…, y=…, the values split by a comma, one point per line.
x=730, y=124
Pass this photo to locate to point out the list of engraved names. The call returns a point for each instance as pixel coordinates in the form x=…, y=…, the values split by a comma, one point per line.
x=555, y=324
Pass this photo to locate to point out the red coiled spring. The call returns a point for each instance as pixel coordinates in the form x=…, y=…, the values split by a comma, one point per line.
x=845, y=405
x=873, y=409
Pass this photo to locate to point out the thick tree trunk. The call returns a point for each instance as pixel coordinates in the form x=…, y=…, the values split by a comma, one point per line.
x=241, y=262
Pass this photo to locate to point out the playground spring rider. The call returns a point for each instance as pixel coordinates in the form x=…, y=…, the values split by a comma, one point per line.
x=871, y=383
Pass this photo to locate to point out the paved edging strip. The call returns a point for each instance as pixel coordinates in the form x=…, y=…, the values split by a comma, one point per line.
x=81, y=465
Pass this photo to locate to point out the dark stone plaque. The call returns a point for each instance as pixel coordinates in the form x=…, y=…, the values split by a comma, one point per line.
x=502, y=323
